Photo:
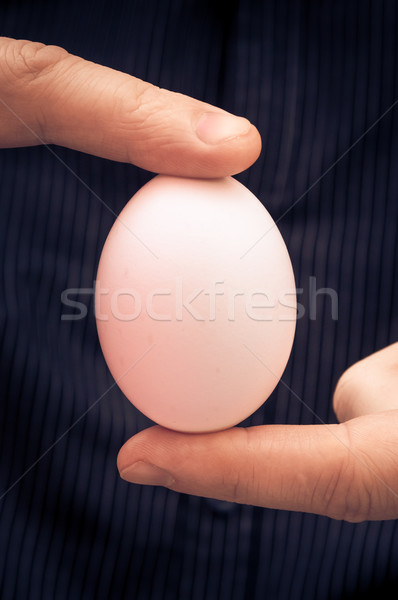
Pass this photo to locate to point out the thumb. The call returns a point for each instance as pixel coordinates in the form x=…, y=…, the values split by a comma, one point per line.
x=369, y=386
x=49, y=95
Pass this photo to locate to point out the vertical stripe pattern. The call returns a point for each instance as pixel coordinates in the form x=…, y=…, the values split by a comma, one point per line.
x=314, y=77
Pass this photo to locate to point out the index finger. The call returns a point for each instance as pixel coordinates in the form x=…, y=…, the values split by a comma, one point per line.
x=48, y=95
x=343, y=471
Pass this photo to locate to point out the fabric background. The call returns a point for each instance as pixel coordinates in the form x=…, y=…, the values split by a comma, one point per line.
x=313, y=77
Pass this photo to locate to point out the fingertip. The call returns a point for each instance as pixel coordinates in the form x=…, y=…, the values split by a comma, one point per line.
x=251, y=149
x=142, y=446
x=228, y=157
x=183, y=154
x=228, y=145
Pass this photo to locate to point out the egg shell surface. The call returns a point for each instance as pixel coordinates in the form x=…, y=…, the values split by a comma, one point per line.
x=195, y=302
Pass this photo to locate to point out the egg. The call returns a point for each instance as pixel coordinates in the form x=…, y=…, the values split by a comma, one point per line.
x=195, y=303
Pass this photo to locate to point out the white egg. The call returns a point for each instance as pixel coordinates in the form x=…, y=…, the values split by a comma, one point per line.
x=195, y=303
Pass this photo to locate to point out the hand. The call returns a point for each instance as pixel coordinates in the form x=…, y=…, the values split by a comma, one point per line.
x=346, y=471
x=50, y=96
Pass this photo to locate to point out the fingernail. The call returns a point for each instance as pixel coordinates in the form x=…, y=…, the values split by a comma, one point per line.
x=213, y=127
x=146, y=474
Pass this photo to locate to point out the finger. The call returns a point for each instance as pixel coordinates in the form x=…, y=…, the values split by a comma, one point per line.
x=318, y=469
x=369, y=386
x=50, y=95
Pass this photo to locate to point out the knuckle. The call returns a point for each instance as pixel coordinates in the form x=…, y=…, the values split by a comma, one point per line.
x=361, y=500
x=239, y=489
x=136, y=103
x=243, y=485
x=332, y=488
x=30, y=73
x=27, y=61
x=348, y=492
x=134, y=110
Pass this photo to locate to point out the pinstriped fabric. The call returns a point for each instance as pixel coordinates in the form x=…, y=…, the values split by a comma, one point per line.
x=313, y=77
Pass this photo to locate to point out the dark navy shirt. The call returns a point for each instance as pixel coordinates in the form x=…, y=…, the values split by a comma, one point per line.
x=315, y=77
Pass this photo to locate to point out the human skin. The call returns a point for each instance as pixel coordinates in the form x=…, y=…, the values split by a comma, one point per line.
x=345, y=471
